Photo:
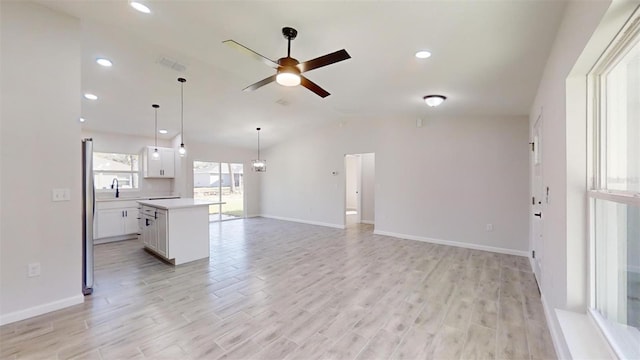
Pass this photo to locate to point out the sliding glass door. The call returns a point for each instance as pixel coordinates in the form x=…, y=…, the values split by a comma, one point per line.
x=220, y=182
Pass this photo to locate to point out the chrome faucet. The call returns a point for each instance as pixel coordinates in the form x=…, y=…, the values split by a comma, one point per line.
x=115, y=180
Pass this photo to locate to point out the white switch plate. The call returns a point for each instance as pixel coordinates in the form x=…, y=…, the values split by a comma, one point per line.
x=61, y=194
x=33, y=270
x=489, y=227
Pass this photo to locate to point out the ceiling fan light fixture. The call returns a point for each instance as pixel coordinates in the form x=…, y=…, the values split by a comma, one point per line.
x=434, y=100
x=288, y=77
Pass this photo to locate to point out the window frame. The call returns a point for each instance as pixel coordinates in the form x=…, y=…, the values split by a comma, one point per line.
x=625, y=40
x=133, y=172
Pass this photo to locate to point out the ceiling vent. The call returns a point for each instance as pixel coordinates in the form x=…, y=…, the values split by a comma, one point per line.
x=171, y=64
x=283, y=102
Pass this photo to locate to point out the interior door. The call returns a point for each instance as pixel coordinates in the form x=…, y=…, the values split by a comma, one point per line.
x=537, y=202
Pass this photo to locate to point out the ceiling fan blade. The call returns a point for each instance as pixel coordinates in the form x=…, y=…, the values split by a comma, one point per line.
x=260, y=83
x=313, y=87
x=325, y=60
x=270, y=63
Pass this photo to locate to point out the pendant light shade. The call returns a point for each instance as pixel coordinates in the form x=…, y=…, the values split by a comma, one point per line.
x=182, y=151
x=156, y=154
x=259, y=165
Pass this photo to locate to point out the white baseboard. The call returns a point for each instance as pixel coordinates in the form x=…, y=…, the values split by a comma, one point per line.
x=336, y=226
x=559, y=344
x=40, y=309
x=453, y=243
x=368, y=222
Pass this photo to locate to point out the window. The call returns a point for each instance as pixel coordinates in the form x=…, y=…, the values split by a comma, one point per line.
x=615, y=195
x=109, y=166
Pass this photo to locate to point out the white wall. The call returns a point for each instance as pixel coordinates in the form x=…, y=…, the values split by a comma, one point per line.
x=40, y=86
x=368, y=188
x=352, y=167
x=183, y=184
x=129, y=144
x=444, y=181
x=561, y=98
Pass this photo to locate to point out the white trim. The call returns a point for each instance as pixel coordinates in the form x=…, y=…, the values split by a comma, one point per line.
x=621, y=340
x=336, y=226
x=616, y=196
x=40, y=309
x=369, y=222
x=582, y=337
x=559, y=343
x=453, y=243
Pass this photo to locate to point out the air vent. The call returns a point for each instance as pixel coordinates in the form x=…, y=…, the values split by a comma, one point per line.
x=171, y=64
x=283, y=102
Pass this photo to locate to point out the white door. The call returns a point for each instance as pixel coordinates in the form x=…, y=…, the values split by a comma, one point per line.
x=161, y=225
x=109, y=223
x=359, y=188
x=154, y=166
x=168, y=162
x=537, y=199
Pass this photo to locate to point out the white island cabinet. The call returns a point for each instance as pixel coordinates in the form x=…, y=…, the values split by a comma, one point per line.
x=176, y=229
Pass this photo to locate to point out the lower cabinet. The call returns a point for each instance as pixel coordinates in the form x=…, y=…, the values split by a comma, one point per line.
x=155, y=230
x=115, y=220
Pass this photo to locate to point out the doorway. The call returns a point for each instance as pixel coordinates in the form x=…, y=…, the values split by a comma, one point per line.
x=359, y=203
x=537, y=184
x=222, y=183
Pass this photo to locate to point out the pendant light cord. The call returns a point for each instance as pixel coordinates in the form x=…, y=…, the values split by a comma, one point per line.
x=182, y=113
x=258, y=144
x=156, y=106
x=182, y=81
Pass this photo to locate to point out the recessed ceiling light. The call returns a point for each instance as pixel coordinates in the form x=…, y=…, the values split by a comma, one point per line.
x=140, y=7
x=163, y=131
x=89, y=96
x=423, y=54
x=434, y=100
x=104, y=62
x=81, y=119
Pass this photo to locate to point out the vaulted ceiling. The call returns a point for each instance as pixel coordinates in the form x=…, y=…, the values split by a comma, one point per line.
x=488, y=58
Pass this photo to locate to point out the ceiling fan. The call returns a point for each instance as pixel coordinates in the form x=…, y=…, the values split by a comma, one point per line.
x=289, y=70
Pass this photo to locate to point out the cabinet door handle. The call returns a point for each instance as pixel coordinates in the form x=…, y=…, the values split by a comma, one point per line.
x=126, y=213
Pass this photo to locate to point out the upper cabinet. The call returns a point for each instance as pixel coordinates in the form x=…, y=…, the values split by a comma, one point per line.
x=162, y=167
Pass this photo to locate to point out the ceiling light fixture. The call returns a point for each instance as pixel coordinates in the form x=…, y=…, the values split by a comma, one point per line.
x=104, y=62
x=156, y=154
x=81, y=119
x=288, y=76
x=434, y=100
x=258, y=164
x=89, y=96
x=423, y=54
x=163, y=131
x=140, y=7
x=182, y=151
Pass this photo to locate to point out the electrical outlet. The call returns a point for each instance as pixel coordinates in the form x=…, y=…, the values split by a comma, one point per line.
x=489, y=227
x=33, y=269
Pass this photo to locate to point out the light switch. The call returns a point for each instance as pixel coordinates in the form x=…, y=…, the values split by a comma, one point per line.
x=61, y=194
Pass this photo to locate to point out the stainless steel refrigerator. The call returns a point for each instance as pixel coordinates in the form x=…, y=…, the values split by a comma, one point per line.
x=88, y=211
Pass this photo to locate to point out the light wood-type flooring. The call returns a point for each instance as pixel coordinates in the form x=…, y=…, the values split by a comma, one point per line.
x=282, y=290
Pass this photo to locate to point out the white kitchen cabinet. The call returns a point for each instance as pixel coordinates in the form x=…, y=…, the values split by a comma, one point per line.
x=161, y=227
x=116, y=219
x=162, y=167
x=178, y=229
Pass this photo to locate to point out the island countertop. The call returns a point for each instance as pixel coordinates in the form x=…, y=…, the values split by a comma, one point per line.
x=169, y=204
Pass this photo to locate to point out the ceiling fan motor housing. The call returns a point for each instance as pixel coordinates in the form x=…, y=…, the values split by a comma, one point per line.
x=289, y=33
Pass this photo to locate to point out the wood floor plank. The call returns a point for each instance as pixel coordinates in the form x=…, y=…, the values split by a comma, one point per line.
x=280, y=290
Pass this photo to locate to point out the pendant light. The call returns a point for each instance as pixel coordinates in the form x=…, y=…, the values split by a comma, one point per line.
x=258, y=164
x=182, y=151
x=156, y=154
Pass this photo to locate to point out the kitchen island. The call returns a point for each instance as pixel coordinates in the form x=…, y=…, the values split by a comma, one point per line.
x=177, y=230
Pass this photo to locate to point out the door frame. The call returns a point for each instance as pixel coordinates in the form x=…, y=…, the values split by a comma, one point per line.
x=358, y=187
x=538, y=200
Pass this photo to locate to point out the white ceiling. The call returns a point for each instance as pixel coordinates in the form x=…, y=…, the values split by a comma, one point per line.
x=487, y=59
